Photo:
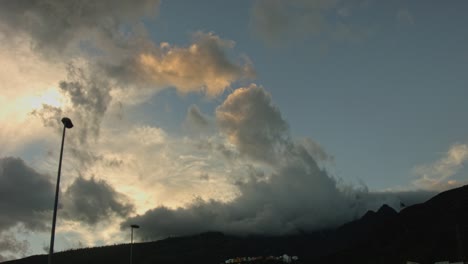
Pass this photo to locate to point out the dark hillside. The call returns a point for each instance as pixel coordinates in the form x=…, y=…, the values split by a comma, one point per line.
x=436, y=230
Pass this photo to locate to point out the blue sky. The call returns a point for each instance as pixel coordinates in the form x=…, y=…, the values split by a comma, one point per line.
x=380, y=105
x=239, y=116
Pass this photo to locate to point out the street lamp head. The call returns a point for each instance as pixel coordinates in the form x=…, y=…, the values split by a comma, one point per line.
x=135, y=226
x=67, y=122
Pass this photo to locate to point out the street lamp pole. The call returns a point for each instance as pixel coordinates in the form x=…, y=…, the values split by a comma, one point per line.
x=67, y=123
x=131, y=242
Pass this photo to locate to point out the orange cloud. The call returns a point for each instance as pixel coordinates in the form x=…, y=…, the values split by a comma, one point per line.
x=201, y=67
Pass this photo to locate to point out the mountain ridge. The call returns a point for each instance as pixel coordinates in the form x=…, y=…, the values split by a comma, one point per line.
x=432, y=231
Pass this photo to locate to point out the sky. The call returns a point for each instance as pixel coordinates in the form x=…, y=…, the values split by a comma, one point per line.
x=246, y=117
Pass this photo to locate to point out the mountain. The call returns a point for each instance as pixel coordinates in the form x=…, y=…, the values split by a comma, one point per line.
x=436, y=230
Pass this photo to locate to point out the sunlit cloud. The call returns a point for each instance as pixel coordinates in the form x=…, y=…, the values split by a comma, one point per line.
x=438, y=175
x=202, y=67
x=50, y=97
x=280, y=187
x=27, y=81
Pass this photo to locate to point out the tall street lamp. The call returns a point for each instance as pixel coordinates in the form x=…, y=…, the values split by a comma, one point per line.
x=67, y=123
x=131, y=242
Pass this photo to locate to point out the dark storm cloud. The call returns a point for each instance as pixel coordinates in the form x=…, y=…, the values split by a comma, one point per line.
x=92, y=201
x=292, y=194
x=26, y=197
x=26, y=201
x=162, y=221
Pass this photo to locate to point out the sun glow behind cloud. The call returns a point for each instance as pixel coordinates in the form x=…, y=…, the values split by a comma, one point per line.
x=27, y=80
x=50, y=97
x=22, y=106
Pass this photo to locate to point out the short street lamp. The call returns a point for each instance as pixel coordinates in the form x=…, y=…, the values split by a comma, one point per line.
x=67, y=123
x=131, y=242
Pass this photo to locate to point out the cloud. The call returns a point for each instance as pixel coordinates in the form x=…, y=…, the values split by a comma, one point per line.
x=262, y=180
x=87, y=92
x=154, y=166
x=196, y=117
x=109, y=59
x=198, y=123
x=26, y=196
x=26, y=203
x=26, y=81
x=293, y=201
x=363, y=199
x=202, y=67
x=24, y=73
x=277, y=21
x=89, y=97
x=103, y=59
x=59, y=26
x=282, y=191
x=44, y=37
x=92, y=87
x=252, y=123
x=11, y=246
x=315, y=150
x=91, y=201
x=437, y=175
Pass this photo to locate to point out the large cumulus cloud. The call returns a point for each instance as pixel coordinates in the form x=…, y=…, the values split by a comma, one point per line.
x=284, y=191
x=252, y=123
